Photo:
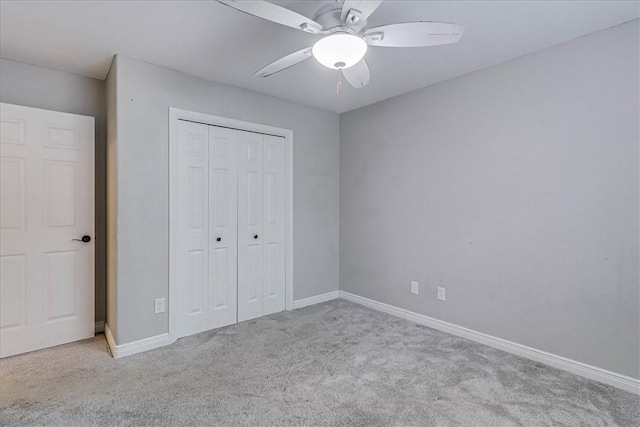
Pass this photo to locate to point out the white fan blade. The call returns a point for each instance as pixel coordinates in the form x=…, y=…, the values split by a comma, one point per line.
x=284, y=63
x=274, y=13
x=365, y=7
x=358, y=75
x=414, y=34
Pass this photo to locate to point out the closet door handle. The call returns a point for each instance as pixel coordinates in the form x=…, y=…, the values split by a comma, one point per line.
x=255, y=237
x=218, y=239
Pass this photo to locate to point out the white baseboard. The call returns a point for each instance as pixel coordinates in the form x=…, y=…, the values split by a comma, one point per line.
x=127, y=349
x=315, y=299
x=122, y=350
x=594, y=373
x=99, y=327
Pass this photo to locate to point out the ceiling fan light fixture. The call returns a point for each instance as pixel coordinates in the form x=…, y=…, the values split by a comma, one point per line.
x=339, y=50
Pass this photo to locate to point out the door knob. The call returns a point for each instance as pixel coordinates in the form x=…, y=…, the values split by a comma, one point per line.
x=218, y=239
x=255, y=237
x=86, y=239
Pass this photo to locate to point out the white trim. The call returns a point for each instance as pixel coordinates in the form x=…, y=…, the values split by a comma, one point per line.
x=288, y=238
x=317, y=299
x=176, y=114
x=99, y=327
x=592, y=372
x=146, y=344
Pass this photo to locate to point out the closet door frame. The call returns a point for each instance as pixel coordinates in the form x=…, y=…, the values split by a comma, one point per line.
x=175, y=115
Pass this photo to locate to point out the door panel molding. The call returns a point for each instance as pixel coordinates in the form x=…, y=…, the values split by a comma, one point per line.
x=175, y=117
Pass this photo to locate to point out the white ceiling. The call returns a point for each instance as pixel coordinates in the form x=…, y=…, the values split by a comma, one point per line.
x=215, y=42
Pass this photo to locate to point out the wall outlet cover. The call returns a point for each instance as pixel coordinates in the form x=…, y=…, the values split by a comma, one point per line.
x=414, y=287
x=442, y=296
x=159, y=305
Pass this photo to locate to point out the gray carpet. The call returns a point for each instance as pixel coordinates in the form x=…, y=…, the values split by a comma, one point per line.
x=335, y=363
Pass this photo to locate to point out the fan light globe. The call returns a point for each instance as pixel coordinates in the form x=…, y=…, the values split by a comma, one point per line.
x=341, y=50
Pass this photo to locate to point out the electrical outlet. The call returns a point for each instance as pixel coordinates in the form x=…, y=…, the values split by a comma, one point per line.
x=414, y=287
x=442, y=296
x=159, y=308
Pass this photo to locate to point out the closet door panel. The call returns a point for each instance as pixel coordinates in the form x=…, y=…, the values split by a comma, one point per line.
x=223, y=227
x=250, y=236
x=274, y=224
x=193, y=229
x=231, y=239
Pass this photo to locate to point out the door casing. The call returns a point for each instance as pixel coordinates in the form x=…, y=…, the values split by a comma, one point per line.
x=176, y=114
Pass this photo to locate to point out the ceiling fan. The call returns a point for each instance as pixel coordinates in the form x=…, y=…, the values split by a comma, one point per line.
x=344, y=36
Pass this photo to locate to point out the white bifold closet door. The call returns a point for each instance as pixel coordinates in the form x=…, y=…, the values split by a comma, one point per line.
x=206, y=268
x=230, y=239
x=261, y=231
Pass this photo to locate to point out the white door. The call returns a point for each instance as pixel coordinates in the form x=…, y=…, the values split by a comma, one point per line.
x=223, y=230
x=250, y=227
x=192, y=267
x=46, y=202
x=261, y=225
x=274, y=225
x=229, y=210
x=206, y=242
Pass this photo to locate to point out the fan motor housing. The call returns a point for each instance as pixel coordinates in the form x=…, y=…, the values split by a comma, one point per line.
x=329, y=17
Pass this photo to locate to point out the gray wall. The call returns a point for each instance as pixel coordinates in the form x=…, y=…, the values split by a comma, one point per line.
x=515, y=188
x=38, y=87
x=143, y=95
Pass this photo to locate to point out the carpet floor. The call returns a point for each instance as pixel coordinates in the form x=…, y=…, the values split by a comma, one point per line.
x=335, y=363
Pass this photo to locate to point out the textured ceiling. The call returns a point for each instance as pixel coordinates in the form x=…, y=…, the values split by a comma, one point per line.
x=215, y=42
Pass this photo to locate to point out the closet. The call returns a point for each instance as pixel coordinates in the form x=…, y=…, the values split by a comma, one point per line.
x=229, y=206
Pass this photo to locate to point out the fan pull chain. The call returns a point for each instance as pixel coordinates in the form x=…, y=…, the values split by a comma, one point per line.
x=339, y=84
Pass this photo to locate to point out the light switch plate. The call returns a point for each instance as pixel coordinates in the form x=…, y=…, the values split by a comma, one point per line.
x=442, y=296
